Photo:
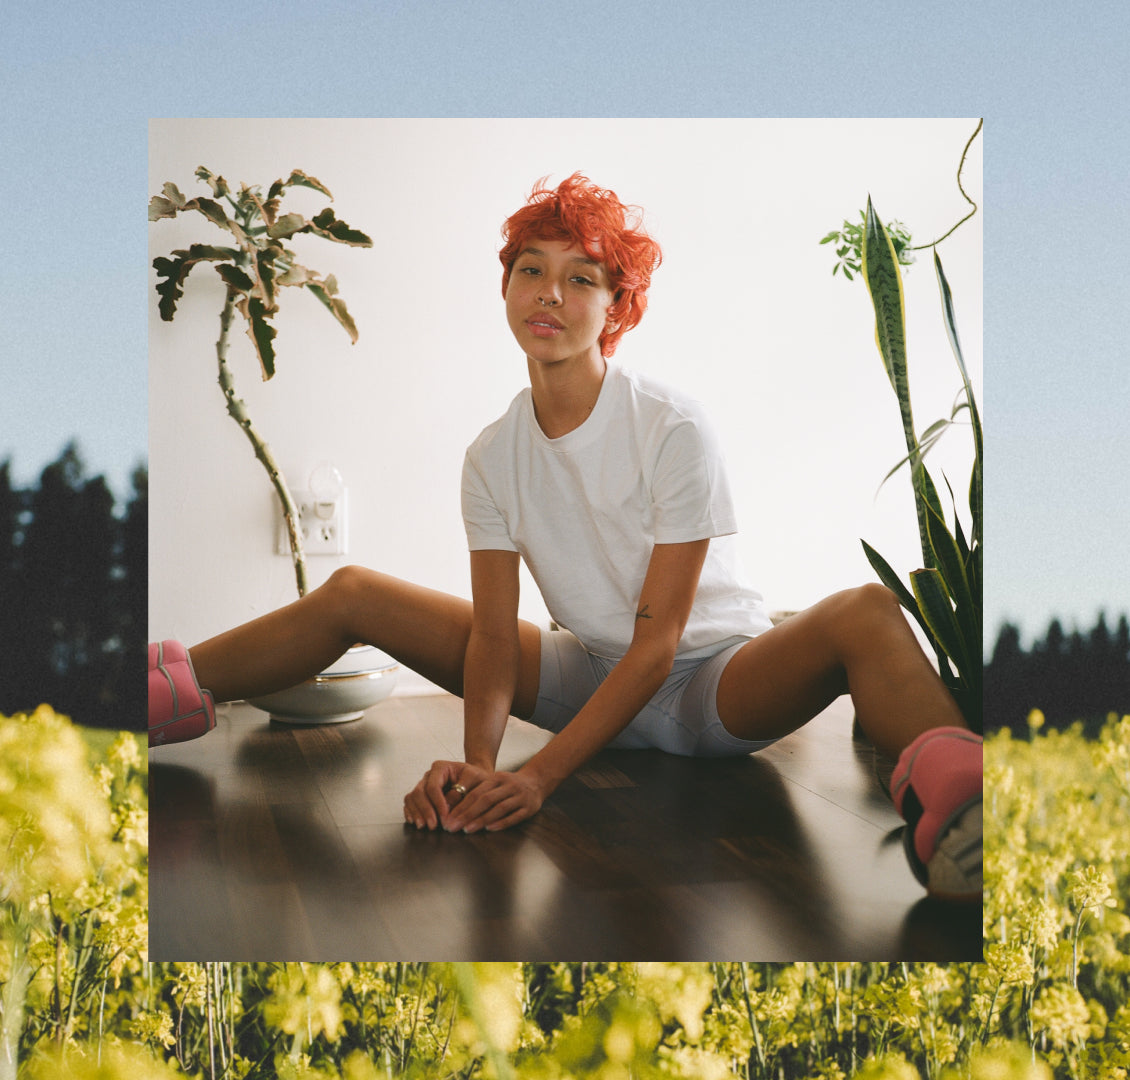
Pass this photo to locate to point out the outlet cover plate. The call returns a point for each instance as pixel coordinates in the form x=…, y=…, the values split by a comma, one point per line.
x=324, y=525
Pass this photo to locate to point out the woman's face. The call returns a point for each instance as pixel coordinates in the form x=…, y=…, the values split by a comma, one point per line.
x=557, y=302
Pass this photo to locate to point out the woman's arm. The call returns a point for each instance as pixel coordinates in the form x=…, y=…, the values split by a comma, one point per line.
x=490, y=677
x=661, y=615
x=490, y=667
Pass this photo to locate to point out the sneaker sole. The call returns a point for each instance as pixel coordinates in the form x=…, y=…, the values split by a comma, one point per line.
x=955, y=872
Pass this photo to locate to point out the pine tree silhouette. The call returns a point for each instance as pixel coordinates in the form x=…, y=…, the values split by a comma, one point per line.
x=72, y=596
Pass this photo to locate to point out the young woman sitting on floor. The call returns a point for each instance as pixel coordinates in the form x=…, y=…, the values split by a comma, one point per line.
x=611, y=487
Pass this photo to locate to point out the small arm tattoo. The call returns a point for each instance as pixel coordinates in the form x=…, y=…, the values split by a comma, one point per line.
x=642, y=613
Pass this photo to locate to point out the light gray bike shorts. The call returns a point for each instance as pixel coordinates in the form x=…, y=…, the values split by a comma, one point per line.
x=682, y=717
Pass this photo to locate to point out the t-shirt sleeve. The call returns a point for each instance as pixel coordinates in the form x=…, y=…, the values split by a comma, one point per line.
x=483, y=521
x=690, y=492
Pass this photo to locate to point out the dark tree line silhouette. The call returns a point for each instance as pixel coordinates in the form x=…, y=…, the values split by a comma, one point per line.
x=73, y=596
x=73, y=618
x=1067, y=676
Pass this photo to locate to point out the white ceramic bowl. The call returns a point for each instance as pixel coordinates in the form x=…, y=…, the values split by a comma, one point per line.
x=362, y=677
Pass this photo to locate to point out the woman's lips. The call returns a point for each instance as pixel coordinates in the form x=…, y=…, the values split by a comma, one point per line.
x=544, y=327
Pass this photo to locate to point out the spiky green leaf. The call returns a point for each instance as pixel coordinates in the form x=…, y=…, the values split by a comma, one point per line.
x=173, y=272
x=172, y=193
x=261, y=333
x=264, y=289
x=160, y=207
x=298, y=178
x=326, y=224
x=286, y=226
x=335, y=306
x=218, y=184
x=211, y=209
x=294, y=275
x=235, y=277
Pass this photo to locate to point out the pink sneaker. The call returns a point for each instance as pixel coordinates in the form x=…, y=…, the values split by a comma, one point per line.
x=937, y=787
x=178, y=708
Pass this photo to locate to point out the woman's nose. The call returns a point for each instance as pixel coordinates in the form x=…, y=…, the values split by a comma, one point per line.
x=548, y=293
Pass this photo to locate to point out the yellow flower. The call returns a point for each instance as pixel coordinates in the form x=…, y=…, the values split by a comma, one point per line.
x=1062, y=1014
x=54, y=819
x=1089, y=887
x=306, y=999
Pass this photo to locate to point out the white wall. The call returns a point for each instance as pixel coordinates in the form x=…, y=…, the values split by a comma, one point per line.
x=744, y=313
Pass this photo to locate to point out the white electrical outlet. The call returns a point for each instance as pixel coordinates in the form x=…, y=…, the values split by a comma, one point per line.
x=323, y=523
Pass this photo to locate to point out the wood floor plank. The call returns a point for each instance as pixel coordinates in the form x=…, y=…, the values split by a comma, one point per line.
x=277, y=842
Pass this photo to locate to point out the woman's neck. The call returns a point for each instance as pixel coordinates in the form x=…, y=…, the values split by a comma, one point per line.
x=565, y=392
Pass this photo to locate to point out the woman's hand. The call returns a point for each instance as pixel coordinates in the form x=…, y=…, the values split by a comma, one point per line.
x=497, y=801
x=428, y=803
x=489, y=800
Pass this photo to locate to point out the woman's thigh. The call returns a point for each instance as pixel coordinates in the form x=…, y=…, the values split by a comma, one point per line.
x=784, y=677
x=428, y=630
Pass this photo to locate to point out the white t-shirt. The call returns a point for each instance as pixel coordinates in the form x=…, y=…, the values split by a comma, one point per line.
x=585, y=510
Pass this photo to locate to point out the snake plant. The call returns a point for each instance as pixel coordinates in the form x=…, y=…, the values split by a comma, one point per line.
x=945, y=594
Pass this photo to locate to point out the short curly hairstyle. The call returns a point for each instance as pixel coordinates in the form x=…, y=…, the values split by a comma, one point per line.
x=592, y=218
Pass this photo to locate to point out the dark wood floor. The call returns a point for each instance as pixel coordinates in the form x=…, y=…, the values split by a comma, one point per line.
x=272, y=842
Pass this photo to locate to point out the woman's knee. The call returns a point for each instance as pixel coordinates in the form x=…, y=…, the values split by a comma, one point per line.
x=865, y=611
x=340, y=593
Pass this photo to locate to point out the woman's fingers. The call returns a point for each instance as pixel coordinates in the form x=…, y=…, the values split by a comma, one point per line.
x=425, y=805
x=504, y=800
x=464, y=798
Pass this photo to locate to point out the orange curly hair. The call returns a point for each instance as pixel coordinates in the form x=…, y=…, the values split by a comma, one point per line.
x=592, y=218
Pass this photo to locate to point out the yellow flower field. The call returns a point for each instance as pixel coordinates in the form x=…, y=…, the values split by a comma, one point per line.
x=80, y=999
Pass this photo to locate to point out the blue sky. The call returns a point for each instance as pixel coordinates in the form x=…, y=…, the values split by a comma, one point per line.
x=80, y=85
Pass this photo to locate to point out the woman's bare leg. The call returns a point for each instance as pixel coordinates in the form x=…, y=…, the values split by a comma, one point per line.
x=423, y=629
x=856, y=642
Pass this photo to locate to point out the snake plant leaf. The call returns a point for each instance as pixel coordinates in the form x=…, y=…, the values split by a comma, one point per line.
x=327, y=225
x=976, y=484
x=927, y=441
x=176, y=269
x=889, y=578
x=937, y=611
x=928, y=496
x=950, y=564
x=884, y=283
x=335, y=305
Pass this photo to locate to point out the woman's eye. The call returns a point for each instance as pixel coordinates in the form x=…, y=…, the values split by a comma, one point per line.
x=582, y=281
x=530, y=270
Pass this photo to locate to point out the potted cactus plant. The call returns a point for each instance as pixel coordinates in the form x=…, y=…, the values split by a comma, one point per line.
x=256, y=267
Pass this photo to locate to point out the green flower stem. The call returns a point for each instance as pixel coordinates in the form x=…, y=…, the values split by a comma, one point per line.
x=752, y=1019
x=237, y=409
x=13, y=998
